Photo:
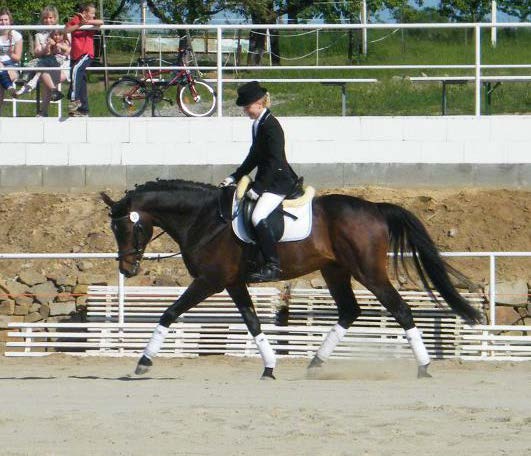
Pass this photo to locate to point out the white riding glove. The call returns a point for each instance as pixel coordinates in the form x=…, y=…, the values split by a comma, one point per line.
x=227, y=181
x=251, y=194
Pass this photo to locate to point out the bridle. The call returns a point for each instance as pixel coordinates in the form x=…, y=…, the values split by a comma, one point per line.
x=138, y=238
x=138, y=233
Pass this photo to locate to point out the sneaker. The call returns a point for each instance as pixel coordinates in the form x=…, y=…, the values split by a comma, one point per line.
x=56, y=95
x=25, y=89
x=73, y=106
x=12, y=91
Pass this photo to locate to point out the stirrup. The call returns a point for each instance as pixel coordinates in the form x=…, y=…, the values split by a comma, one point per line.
x=269, y=272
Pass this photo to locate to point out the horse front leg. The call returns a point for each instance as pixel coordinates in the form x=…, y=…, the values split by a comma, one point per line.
x=198, y=291
x=242, y=299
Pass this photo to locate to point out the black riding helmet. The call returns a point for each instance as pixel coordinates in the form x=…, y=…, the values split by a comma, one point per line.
x=249, y=93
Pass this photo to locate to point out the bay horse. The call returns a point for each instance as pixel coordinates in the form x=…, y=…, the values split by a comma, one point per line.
x=350, y=238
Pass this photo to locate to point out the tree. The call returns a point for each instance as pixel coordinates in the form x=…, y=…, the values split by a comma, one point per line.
x=185, y=11
x=26, y=13
x=466, y=10
x=518, y=8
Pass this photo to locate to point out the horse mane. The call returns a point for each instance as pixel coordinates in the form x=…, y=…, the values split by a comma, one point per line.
x=171, y=184
x=181, y=191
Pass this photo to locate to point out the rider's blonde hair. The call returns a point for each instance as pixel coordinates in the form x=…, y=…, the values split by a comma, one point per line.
x=266, y=100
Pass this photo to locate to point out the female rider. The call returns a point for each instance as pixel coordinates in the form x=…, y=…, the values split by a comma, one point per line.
x=275, y=179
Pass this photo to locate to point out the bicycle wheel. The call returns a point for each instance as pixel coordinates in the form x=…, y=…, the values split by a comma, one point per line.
x=197, y=99
x=127, y=97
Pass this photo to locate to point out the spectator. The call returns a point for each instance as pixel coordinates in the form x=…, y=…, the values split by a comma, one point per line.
x=50, y=52
x=10, y=55
x=82, y=54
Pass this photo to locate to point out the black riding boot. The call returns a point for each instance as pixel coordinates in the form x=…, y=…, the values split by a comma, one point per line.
x=270, y=271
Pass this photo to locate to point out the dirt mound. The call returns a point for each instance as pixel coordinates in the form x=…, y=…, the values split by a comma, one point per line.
x=458, y=220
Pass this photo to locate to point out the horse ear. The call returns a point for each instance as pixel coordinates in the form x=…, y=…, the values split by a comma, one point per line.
x=107, y=199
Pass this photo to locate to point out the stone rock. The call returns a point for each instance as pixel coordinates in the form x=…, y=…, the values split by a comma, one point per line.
x=80, y=290
x=81, y=301
x=91, y=279
x=5, y=319
x=23, y=300
x=21, y=310
x=63, y=297
x=45, y=293
x=62, y=308
x=44, y=310
x=65, y=280
x=513, y=293
x=84, y=265
x=7, y=307
x=33, y=317
x=506, y=315
x=13, y=288
x=31, y=277
x=34, y=307
x=318, y=282
x=452, y=232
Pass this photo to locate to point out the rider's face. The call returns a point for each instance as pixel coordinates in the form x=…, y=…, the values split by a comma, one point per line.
x=254, y=109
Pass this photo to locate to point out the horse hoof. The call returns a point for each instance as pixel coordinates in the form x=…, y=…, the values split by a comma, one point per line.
x=423, y=371
x=268, y=374
x=315, y=363
x=143, y=365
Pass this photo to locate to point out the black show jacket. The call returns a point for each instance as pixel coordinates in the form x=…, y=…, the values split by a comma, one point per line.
x=267, y=154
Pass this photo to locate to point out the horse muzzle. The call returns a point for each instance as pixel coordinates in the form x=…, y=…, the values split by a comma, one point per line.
x=129, y=269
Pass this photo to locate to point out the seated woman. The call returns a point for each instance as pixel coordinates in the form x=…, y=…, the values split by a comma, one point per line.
x=49, y=52
x=56, y=53
x=10, y=55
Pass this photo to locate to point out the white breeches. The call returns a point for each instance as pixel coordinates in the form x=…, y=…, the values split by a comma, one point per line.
x=265, y=205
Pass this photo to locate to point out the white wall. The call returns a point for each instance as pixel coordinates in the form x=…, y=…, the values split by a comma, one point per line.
x=177, y=141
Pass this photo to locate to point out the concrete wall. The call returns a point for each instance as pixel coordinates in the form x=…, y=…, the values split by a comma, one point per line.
x=96, y=153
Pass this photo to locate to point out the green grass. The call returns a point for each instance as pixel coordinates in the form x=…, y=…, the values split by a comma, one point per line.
x=394, y=94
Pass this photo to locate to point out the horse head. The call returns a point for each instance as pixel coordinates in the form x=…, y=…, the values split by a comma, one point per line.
x=132, y=229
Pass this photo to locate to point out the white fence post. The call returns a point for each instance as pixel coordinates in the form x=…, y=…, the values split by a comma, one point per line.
x=492, y=289
x=219, y=35
x=478, y=69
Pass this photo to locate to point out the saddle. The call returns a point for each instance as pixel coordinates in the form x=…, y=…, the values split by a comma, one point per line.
x=291, y=220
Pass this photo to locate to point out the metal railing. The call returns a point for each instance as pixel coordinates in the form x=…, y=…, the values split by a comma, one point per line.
x=492, y=256
x=220, y=69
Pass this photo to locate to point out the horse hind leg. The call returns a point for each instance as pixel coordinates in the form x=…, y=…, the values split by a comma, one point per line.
x=393, y=302
x=337, y=279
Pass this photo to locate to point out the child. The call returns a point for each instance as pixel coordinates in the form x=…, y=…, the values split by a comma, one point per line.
x=82, y=54
x=10, y=54
x=57, y=51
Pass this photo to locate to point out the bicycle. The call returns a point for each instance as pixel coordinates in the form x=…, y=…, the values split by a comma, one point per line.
x=129, y=96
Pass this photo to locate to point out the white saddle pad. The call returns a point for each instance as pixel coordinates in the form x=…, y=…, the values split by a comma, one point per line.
x=294, y=230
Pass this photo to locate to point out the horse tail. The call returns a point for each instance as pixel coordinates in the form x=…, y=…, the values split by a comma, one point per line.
x=407, y=233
